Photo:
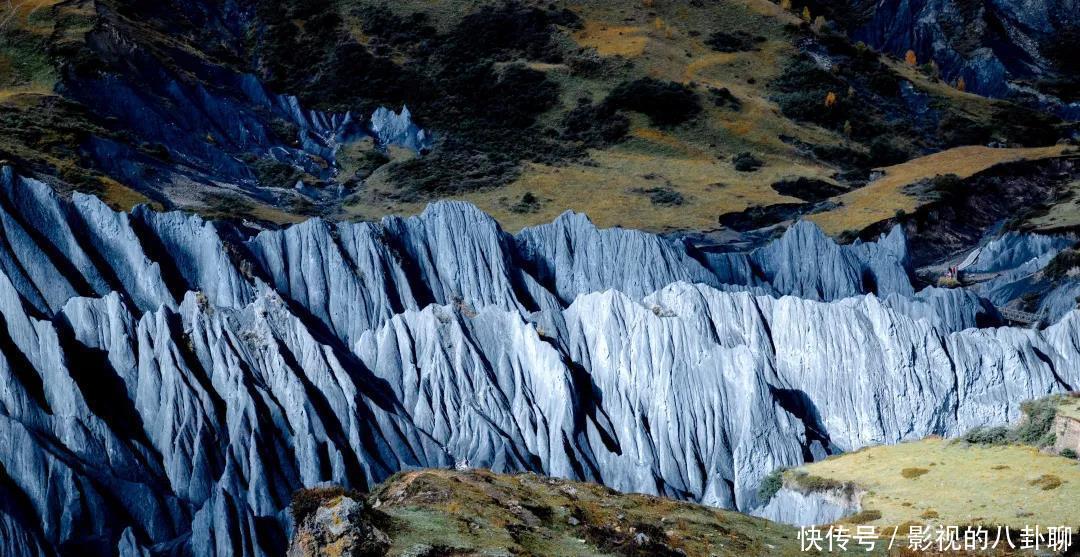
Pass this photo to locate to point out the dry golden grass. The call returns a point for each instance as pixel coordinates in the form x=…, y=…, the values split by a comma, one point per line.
x=120, y=197
x=665, y=41
x=880, y=199
x=603, y=187
x=612, y=40
x=957, y=484
x=24, y=93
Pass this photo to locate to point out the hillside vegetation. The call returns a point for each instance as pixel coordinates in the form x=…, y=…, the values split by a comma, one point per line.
x=444, y=512
x=659, y=115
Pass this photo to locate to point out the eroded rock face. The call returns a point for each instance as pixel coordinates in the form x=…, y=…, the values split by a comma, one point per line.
x=168, y=382
x=989, y=44
x=791, y=506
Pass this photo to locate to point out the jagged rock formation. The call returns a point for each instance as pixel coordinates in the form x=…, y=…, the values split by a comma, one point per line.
x=397, y=128
x=168, y=381
x=1015, y=263
x=791, y=506
x=994, y=46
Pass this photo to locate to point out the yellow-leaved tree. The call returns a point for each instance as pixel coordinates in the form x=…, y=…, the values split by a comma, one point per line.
x=910, y=58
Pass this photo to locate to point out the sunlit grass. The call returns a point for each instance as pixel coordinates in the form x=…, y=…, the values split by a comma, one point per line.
x=951, y=483
x=880, y=199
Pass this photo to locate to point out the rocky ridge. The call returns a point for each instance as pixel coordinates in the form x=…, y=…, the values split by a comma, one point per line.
x=170, y=381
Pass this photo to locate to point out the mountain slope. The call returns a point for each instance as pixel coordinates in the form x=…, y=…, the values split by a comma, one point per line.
x=634, y=114
x=442, y=512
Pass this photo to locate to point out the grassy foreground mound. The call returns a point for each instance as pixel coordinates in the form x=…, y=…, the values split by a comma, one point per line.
x=447, y=512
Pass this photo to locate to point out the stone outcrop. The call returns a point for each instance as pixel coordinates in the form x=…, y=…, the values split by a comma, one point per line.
x=168, y=382
x=809, y=508
x=339, y=527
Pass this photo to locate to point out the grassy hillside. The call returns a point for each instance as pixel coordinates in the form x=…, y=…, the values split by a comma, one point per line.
x=682, y=176
x=1006, y=476
x=478, y=512
x=882, y=198
x=654, y=114
x=943, y=482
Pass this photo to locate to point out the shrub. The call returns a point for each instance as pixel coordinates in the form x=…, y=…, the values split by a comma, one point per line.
x=746, y=162
x=802, y=87
x=948, y=187
x=1068, y=453
x=738, y=41
x=594, y=125
x=988, y=436
x=722, y=97
x=663, y=196
x=1036, y=429
x=883, y=152
x=863, y=517
x=528, y=204
x=807, y=482
x=913, y=473
x=1046, y=482
x=770, y=485
x=666, y=103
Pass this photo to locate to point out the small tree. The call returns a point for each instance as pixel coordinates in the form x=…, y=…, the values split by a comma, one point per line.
x=785, y=5
x=819, y=23
x=806, y=14
x=911, y=59
x=960, y=84
x=847, y=128
x=830, y=100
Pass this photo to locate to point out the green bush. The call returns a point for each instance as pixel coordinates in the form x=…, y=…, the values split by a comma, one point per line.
x=662, y=196
x=999, y=435
x=807, y=482
x=746, y=162
x=739, y=41
x=770, y=485
x=594, y=125
x=529, y=203
x=666, y=103
x=1068, y=453
x=948, y=187
x=1036, y=429
x=863, y=517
